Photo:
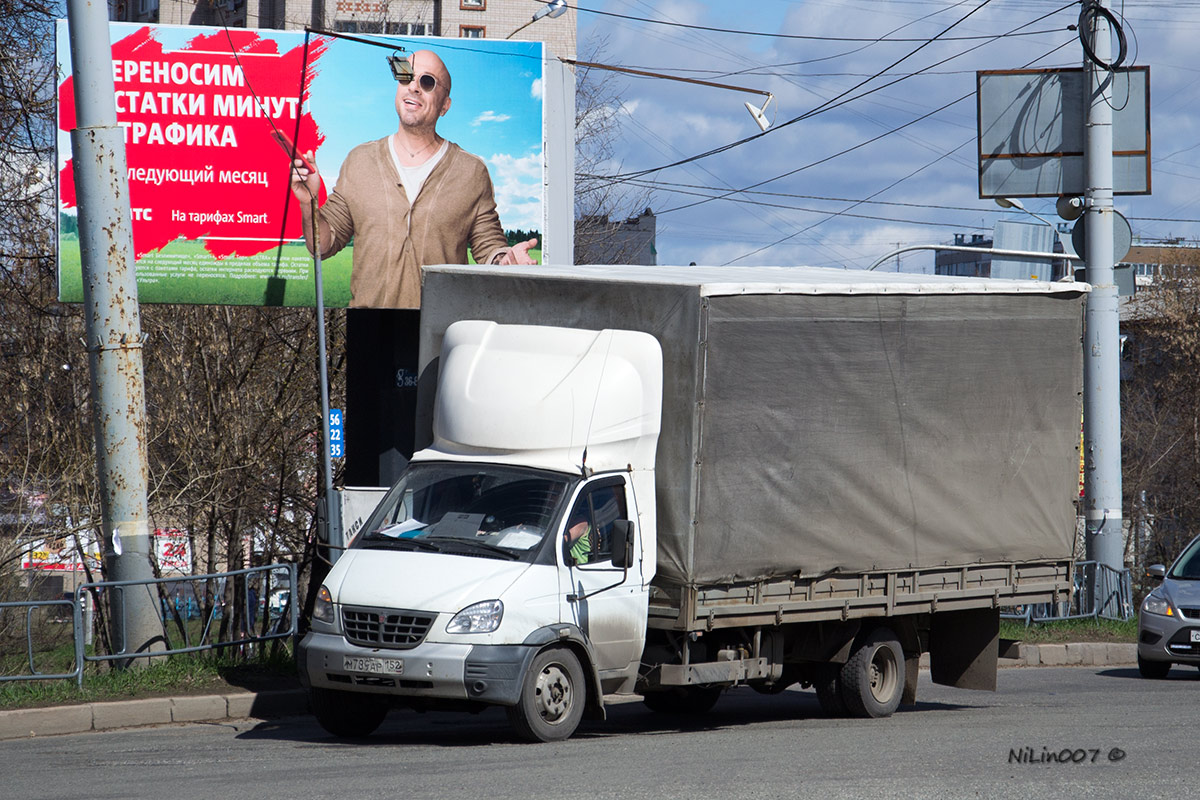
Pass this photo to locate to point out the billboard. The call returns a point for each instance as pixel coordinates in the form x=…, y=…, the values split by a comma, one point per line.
x=214, y=216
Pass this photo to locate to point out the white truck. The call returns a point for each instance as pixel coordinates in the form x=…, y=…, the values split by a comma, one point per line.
x=669, y=481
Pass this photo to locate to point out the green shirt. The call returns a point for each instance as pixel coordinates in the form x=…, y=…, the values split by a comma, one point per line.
x=582, y=547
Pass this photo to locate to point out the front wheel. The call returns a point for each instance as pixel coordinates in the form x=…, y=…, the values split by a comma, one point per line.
x=1153, y=669
x=552, y=697
x=347, y=714
x=873, y=676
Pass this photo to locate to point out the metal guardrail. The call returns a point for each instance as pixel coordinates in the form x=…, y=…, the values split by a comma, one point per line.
x=244, y=636
x=1100, y=592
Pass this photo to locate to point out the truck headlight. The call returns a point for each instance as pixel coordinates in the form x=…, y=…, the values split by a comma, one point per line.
x=1154, y=604
x=323, y=608
x=478, y=618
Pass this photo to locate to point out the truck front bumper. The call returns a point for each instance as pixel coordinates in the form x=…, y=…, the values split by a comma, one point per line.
x=484, y=673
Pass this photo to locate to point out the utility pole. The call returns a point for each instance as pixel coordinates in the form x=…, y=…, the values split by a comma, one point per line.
x=113, y=329
x=1101, y=361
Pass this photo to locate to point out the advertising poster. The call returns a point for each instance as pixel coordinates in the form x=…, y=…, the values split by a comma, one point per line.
x=61, y=554
x=214, y=219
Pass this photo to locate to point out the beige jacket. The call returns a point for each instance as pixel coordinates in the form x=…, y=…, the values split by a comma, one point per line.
x=392, y=239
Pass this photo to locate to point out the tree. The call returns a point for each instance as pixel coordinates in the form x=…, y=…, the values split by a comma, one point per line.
x=599, y=201
x=1161, y=415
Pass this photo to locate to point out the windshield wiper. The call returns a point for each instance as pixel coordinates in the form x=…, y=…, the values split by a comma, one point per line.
x=385, y=542
x=491, y=548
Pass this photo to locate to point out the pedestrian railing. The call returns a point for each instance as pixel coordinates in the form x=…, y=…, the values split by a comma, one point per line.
x=177, y=610
x=1099, y=592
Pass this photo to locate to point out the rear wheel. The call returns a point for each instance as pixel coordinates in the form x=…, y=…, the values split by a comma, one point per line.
x=1153, y=669
x=828, y=686
x=347, y=714
x=873, y=676
x=552, y=697
x=683, y=700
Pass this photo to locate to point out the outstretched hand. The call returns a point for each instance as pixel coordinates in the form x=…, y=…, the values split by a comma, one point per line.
x=519, y=254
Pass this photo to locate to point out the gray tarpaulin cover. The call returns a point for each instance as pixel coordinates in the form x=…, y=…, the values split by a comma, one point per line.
x=819, y=420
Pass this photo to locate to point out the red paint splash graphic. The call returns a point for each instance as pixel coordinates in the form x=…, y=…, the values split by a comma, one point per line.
x=198, y=122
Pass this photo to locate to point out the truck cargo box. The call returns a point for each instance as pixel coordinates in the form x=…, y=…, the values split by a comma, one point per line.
x=822, y=421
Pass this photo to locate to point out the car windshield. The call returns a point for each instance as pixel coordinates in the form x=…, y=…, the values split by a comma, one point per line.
x=492, y=512
x=1187, y=566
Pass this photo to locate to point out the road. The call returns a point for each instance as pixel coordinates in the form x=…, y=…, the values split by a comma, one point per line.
x=1133, y=738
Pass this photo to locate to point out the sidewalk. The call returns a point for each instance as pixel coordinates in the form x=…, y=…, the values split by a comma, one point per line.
x=26, y=722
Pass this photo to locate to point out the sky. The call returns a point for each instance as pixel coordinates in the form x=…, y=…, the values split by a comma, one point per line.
x=884, y=166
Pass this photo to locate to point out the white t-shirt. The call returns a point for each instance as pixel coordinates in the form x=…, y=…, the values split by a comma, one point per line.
x=413, y=178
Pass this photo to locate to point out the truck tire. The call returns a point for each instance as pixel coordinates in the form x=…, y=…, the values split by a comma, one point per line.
x=1153, y=669
x=692, y=700
x=828, y=686
x=873, y=677
x=552, y=697
x=350, y=715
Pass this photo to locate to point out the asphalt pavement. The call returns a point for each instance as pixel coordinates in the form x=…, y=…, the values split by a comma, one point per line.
x=28, y=722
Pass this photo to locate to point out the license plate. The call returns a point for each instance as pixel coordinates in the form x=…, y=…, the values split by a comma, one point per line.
x=379, y=666
x=1196, y=636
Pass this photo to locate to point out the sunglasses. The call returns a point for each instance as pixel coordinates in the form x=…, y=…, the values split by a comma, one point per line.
x=403, y=73
x=426, y=81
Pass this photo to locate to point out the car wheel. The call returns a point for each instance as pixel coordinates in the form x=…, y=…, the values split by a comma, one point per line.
x=552, y=698
x=873, y=676
x=1153, y=669
x=683, y=700
x=350, y=715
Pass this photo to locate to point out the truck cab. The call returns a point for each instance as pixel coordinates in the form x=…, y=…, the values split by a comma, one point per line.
x=510, y=563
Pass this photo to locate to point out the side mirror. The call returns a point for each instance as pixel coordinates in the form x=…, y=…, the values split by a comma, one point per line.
x=1156, y=571
x=622, y=543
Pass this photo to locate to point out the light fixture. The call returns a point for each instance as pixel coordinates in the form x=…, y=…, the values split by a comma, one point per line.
x=759, y=113
x=555, y=8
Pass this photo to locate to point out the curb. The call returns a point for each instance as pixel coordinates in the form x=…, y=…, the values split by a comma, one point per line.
x=24, y=723
x=27, y=722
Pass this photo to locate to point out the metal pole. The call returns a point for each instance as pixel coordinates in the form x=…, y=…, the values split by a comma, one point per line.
x=1101, y=362
x=333, y=517
x=113, y=326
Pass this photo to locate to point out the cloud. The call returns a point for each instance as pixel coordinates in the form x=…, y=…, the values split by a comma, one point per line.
x=535, y=89
x=518, y=184
x=489, y=116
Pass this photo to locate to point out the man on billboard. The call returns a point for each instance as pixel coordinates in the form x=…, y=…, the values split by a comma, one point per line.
x=408, y=199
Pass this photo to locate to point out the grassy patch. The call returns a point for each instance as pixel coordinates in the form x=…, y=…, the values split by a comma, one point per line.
x=1073, y=630
x=189, y=674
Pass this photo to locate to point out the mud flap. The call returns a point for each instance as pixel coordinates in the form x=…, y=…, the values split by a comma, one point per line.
x=963, y=647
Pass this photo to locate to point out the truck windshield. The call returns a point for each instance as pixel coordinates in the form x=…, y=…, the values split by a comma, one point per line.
x=492, y=512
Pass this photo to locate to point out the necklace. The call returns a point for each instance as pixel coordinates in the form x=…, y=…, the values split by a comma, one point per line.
x=415, y=153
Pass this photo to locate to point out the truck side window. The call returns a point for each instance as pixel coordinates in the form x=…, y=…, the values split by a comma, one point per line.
x=588, y=538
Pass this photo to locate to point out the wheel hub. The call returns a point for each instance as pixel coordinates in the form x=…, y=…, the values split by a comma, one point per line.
x=553, y=693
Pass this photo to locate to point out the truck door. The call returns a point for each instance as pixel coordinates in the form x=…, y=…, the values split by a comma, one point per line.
x=608, y=603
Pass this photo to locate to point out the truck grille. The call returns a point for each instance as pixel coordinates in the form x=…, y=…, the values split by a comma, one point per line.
x=385, y=627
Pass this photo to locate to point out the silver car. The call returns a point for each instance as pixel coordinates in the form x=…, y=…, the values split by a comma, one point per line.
x=1169, y=620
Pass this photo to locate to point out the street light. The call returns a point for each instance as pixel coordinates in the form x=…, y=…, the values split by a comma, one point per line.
x=1012, y=202
x=555, y=8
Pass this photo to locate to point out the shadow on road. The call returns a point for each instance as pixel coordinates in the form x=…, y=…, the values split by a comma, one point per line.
x=1177, y=673
x=737, y=708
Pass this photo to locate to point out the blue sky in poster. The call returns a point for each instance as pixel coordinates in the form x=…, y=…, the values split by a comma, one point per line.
x=496, y=110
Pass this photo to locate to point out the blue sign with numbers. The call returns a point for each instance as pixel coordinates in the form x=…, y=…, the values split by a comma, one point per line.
x=337, y=434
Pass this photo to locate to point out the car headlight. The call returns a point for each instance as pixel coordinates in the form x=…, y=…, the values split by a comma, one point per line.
x=478, y=618
x=323, y=608
x=1156, y=604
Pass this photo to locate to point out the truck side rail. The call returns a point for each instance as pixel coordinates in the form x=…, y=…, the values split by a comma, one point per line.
x=778, y=601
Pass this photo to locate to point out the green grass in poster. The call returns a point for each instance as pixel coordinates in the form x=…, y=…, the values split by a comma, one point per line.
x=183, y=272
